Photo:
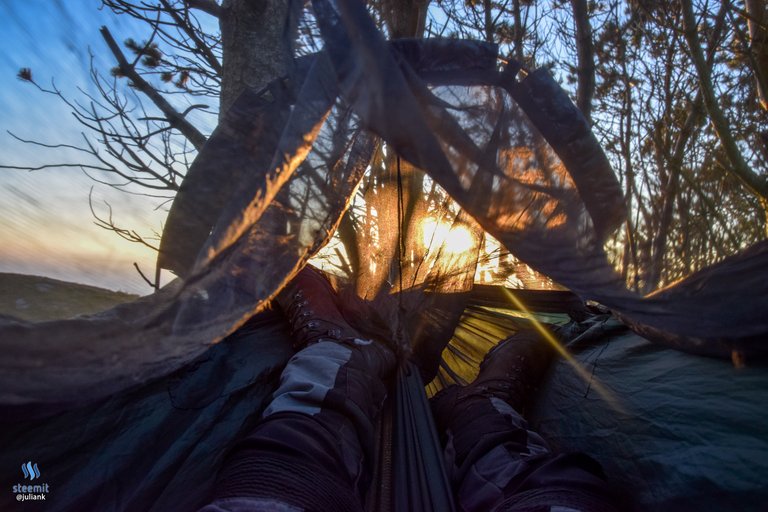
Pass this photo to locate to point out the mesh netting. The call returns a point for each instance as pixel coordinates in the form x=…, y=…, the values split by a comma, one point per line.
x=396, y=158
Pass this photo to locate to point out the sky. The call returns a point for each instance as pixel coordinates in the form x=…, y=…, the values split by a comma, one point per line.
x=46, y=226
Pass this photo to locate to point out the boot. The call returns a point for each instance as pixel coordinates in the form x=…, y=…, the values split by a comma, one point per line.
x=513, y=369
x=310, y=303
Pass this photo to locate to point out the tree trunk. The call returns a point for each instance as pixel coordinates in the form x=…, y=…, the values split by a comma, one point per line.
x=488, y=21
x=517, y=48
x=256, y=45
x=405, y=18
x=586, y=62
x=625, y=141
x=757, y=10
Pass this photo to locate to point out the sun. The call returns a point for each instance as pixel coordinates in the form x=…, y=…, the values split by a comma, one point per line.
x=453, y=239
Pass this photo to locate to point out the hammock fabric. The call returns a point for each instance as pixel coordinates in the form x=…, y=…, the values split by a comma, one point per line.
x=353, y=153
x=156, y=446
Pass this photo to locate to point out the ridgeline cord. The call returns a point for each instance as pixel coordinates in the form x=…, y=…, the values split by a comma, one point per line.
x=400, y=251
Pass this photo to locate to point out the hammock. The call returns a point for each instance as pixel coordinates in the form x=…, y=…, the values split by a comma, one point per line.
x=155, y=447
x=351, y=154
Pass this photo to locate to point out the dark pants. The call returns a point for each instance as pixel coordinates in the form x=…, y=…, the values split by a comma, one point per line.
x=497, y=463
x=311, y=450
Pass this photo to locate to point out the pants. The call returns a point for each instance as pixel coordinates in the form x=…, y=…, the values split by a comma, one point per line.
x=310, y=452
x=498, y=464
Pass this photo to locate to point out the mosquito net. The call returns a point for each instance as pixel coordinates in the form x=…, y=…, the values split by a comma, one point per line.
x=389, y=162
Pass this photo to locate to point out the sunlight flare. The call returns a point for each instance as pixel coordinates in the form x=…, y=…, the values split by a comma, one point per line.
x=452, y=239
x=581, y=372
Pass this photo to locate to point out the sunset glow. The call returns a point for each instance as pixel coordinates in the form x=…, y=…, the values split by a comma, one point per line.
x=452, y=239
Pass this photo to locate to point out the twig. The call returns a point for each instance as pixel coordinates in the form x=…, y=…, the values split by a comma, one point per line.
x=155, y=286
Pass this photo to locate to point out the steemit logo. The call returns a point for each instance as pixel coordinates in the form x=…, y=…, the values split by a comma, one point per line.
x=30, y=470
x=31, y=492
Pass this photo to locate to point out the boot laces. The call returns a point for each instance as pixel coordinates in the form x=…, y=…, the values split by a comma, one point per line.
x=308, y=327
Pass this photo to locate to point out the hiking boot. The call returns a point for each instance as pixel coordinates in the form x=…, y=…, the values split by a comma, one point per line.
x=309, y=302
x=513, y=369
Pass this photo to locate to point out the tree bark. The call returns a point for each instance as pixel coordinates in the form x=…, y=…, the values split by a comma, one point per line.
x=256, y=45
x=405, y=18
x=207, y=6
x=489, y=28
x=586, y=60
x=517, y=48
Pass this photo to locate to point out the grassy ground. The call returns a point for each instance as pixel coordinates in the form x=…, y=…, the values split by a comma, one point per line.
x=39, y=299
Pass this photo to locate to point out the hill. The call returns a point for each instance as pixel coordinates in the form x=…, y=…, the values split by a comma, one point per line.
x=38, y=299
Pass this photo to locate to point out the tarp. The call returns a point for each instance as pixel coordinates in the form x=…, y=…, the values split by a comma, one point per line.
x=678, y=432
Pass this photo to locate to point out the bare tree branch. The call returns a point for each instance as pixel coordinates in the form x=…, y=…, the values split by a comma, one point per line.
x=109, y=225
x=175, y=118
x=739, y=166
x=204, y=49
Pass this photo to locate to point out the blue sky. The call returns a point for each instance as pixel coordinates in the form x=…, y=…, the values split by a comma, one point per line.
x=46, y=227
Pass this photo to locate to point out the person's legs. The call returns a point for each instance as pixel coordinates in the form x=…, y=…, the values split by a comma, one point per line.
x=309, y=451
x=501, y=465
